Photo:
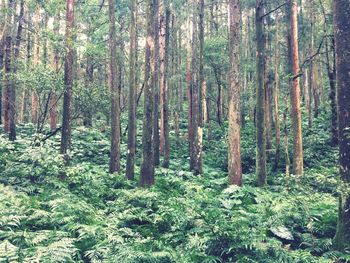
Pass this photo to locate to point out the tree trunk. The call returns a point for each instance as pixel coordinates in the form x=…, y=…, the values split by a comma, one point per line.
x=147, y=167
x=296, y=115
x=260, y=97
x=2, y=53
x=156, y=135
x=132, y=97
x=234, y=140
x=114, y=161
x=342, y=39
x=164, y=146
x=68, y=82
x=53, y=100
x=8, y=82
x=36, y=47
x=276, y=102
x=12, y=135
x=89, y=81
x=195, y=155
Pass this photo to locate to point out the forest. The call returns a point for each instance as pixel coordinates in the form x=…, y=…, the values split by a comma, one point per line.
x=175, y=131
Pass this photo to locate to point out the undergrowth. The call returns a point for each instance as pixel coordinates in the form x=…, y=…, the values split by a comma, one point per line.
x=93, y=216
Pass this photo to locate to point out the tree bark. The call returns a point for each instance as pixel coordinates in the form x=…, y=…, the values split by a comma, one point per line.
x=260, y=97
x=156, y=133
x=234, y=140
x=68, y=82
x=114, y=161
x=342, y=39
x=164, y=146
x=296, y=114
x=53, y=100
x=195, y=160
x=276, y=101
x=147, y=167
x=132, y=97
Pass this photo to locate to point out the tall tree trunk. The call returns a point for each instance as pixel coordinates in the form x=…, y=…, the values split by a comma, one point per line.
x=177, y=83
x=286, y=139
x=195, y=164
x=260, y=97
x=164, y=103
x=162, y=70
x=8, y=67
x=68, y=82
x=53, y=100
x=201, y=88
x=156, y=134
x=36, y=47
x=12, y=135
x=2, y=53
x=114, y=161
x=89, y=81
x=189, y=82
x=132, y=97
x=276, y=101
x=147, y=166
x=296, y=115
x=332, y=76
x=234, y=140
x=342, y=39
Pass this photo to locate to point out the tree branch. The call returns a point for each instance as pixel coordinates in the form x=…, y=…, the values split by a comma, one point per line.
x=275, y=9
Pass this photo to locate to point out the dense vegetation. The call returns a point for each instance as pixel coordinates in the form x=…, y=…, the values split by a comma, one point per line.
x=94, y=216
x=182, y=131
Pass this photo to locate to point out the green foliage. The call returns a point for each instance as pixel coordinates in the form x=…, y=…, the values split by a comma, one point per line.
x=98, y=217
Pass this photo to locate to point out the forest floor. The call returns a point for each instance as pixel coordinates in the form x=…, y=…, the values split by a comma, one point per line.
x=93, y=216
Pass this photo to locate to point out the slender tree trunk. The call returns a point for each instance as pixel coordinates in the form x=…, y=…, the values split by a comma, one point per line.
x=201, y=88
x=89, y=81
x=53, y=100
x=132, y=97
x=260, y=97
x=162, y=70
x=7, y=81
x=234, y=141
x=147, y=167
x=12, y=135
x=176, y=72
x=2, y=53
x=195, y=160
x=68, y=82
x=296, y=115
x=286, y=139
x=36, y=47
x=342, y=39
x=156, y=134
x=276, y=102
x=268, y=111
x=114, y=161
x=189, y=83
x=164, y=102
x=8, y=62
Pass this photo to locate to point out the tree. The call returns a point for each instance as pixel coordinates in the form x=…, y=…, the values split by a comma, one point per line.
x=234, y=144
x=68, y=81
x=132, y=98
x=12, y=95
x=53, y=99
x=114, y=161
x=195, y=153
x=164, y=145
x=147, y=167
x=342, y=38
x=260, y=95
x=296, y=114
